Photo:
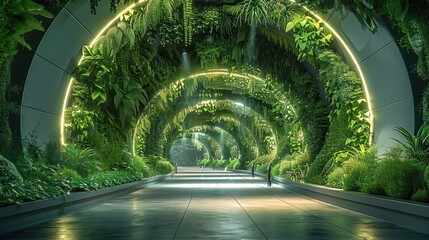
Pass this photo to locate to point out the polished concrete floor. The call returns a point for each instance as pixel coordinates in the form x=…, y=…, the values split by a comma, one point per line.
x=214, y=205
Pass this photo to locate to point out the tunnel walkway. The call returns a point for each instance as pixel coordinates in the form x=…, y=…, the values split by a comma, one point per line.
x=196, y=204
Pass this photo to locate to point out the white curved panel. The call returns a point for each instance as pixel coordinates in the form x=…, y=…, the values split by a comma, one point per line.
x=45, y=87
x=385, y=72
x=359, y=37
x=381, y=62
x=388, y=77
x=44, y=123
x=62, y=43
x=80, y=10
x=389, y=117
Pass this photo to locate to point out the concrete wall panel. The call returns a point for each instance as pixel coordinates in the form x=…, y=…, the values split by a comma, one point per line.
x=44, y=123
x=63, y=41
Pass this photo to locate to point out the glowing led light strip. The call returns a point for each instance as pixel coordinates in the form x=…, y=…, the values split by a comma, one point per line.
x=211, y=72
x=100, y=33
x=340, y=39
x=355, y=62
x=259, y=116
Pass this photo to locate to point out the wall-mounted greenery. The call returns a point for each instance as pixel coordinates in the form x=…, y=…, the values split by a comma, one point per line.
x=142, y=54
x=16, y=19
x=216, y=47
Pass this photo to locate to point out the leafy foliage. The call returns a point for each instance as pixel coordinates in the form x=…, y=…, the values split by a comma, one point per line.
x=310, y=36
x=18, y=18
x=422, y=195
x=253, y=12
x=359, y=169
x=336, y=141
x=416, y=147
x=336, y=178
x=426, y=176
x=395, y=176
x=10, y=174
x=80, y=123
x=345, y=94
x=83, y=161
x=234, y=164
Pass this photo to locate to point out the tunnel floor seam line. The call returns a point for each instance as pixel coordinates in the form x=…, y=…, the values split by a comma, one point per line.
x=248, y=215
x=325, y=220
x=184, y=214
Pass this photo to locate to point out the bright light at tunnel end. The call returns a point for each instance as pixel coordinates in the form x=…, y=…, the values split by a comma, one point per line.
x=131, y=6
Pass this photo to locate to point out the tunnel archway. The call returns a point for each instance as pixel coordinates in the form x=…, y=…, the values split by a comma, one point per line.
x=76, y=27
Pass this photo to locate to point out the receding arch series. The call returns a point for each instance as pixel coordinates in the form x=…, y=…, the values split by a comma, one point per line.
x=58, y=53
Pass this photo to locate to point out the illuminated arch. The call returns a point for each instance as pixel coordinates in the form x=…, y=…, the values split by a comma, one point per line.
x=48, y=124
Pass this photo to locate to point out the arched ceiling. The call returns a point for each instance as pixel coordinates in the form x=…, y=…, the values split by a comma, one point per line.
x=220, y=79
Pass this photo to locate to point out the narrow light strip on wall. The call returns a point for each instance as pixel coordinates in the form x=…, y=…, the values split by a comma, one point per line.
x=340, y=39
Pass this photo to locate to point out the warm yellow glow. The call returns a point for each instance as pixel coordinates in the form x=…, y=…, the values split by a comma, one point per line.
x=259, y=116
x=212, y=72
x=63, y=112
x=355, y=62
x=224, y=72
x=100, y=33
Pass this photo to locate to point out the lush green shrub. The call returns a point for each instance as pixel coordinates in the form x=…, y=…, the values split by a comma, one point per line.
x=139, y=167
x=263, y=159
x=9, y=173
x=426, y=176
x=422, y=195
x=208, y=163
x=102, y=180
x=335, y=141
x=164, y=167
x=221, y=163
x=84, y=160
x=359, y=169
x=41, y=181
x=276, y=170
x=336, y=178
x=261, y=168
x=112, y=151
x=158, y=165
x=418, y=176
x=68, y=174
x=354, y=174
x=205, y=162
x=394, y=174
x=234, y=164
x=53, y=150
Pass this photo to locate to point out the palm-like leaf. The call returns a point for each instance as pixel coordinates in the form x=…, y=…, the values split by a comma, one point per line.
x=416, y=146
x=363, y=152
x=20, y=16
x=254, y=12
x=157, y=10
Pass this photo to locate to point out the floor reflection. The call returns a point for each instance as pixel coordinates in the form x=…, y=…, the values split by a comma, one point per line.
x=214, y=205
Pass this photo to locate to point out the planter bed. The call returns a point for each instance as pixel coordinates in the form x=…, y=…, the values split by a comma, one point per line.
x=412, y=215
x=20, y=216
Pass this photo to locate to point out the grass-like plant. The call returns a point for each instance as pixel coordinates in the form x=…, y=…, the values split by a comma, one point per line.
x=254, y=12
x=415, y=146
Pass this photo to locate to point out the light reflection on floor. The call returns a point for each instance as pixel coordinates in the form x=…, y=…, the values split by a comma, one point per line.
x=215, y=205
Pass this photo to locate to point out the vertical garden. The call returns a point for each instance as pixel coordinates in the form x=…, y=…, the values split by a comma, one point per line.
x=224, y=84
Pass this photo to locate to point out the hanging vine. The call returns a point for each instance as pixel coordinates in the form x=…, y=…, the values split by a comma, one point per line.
x=187, y=21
